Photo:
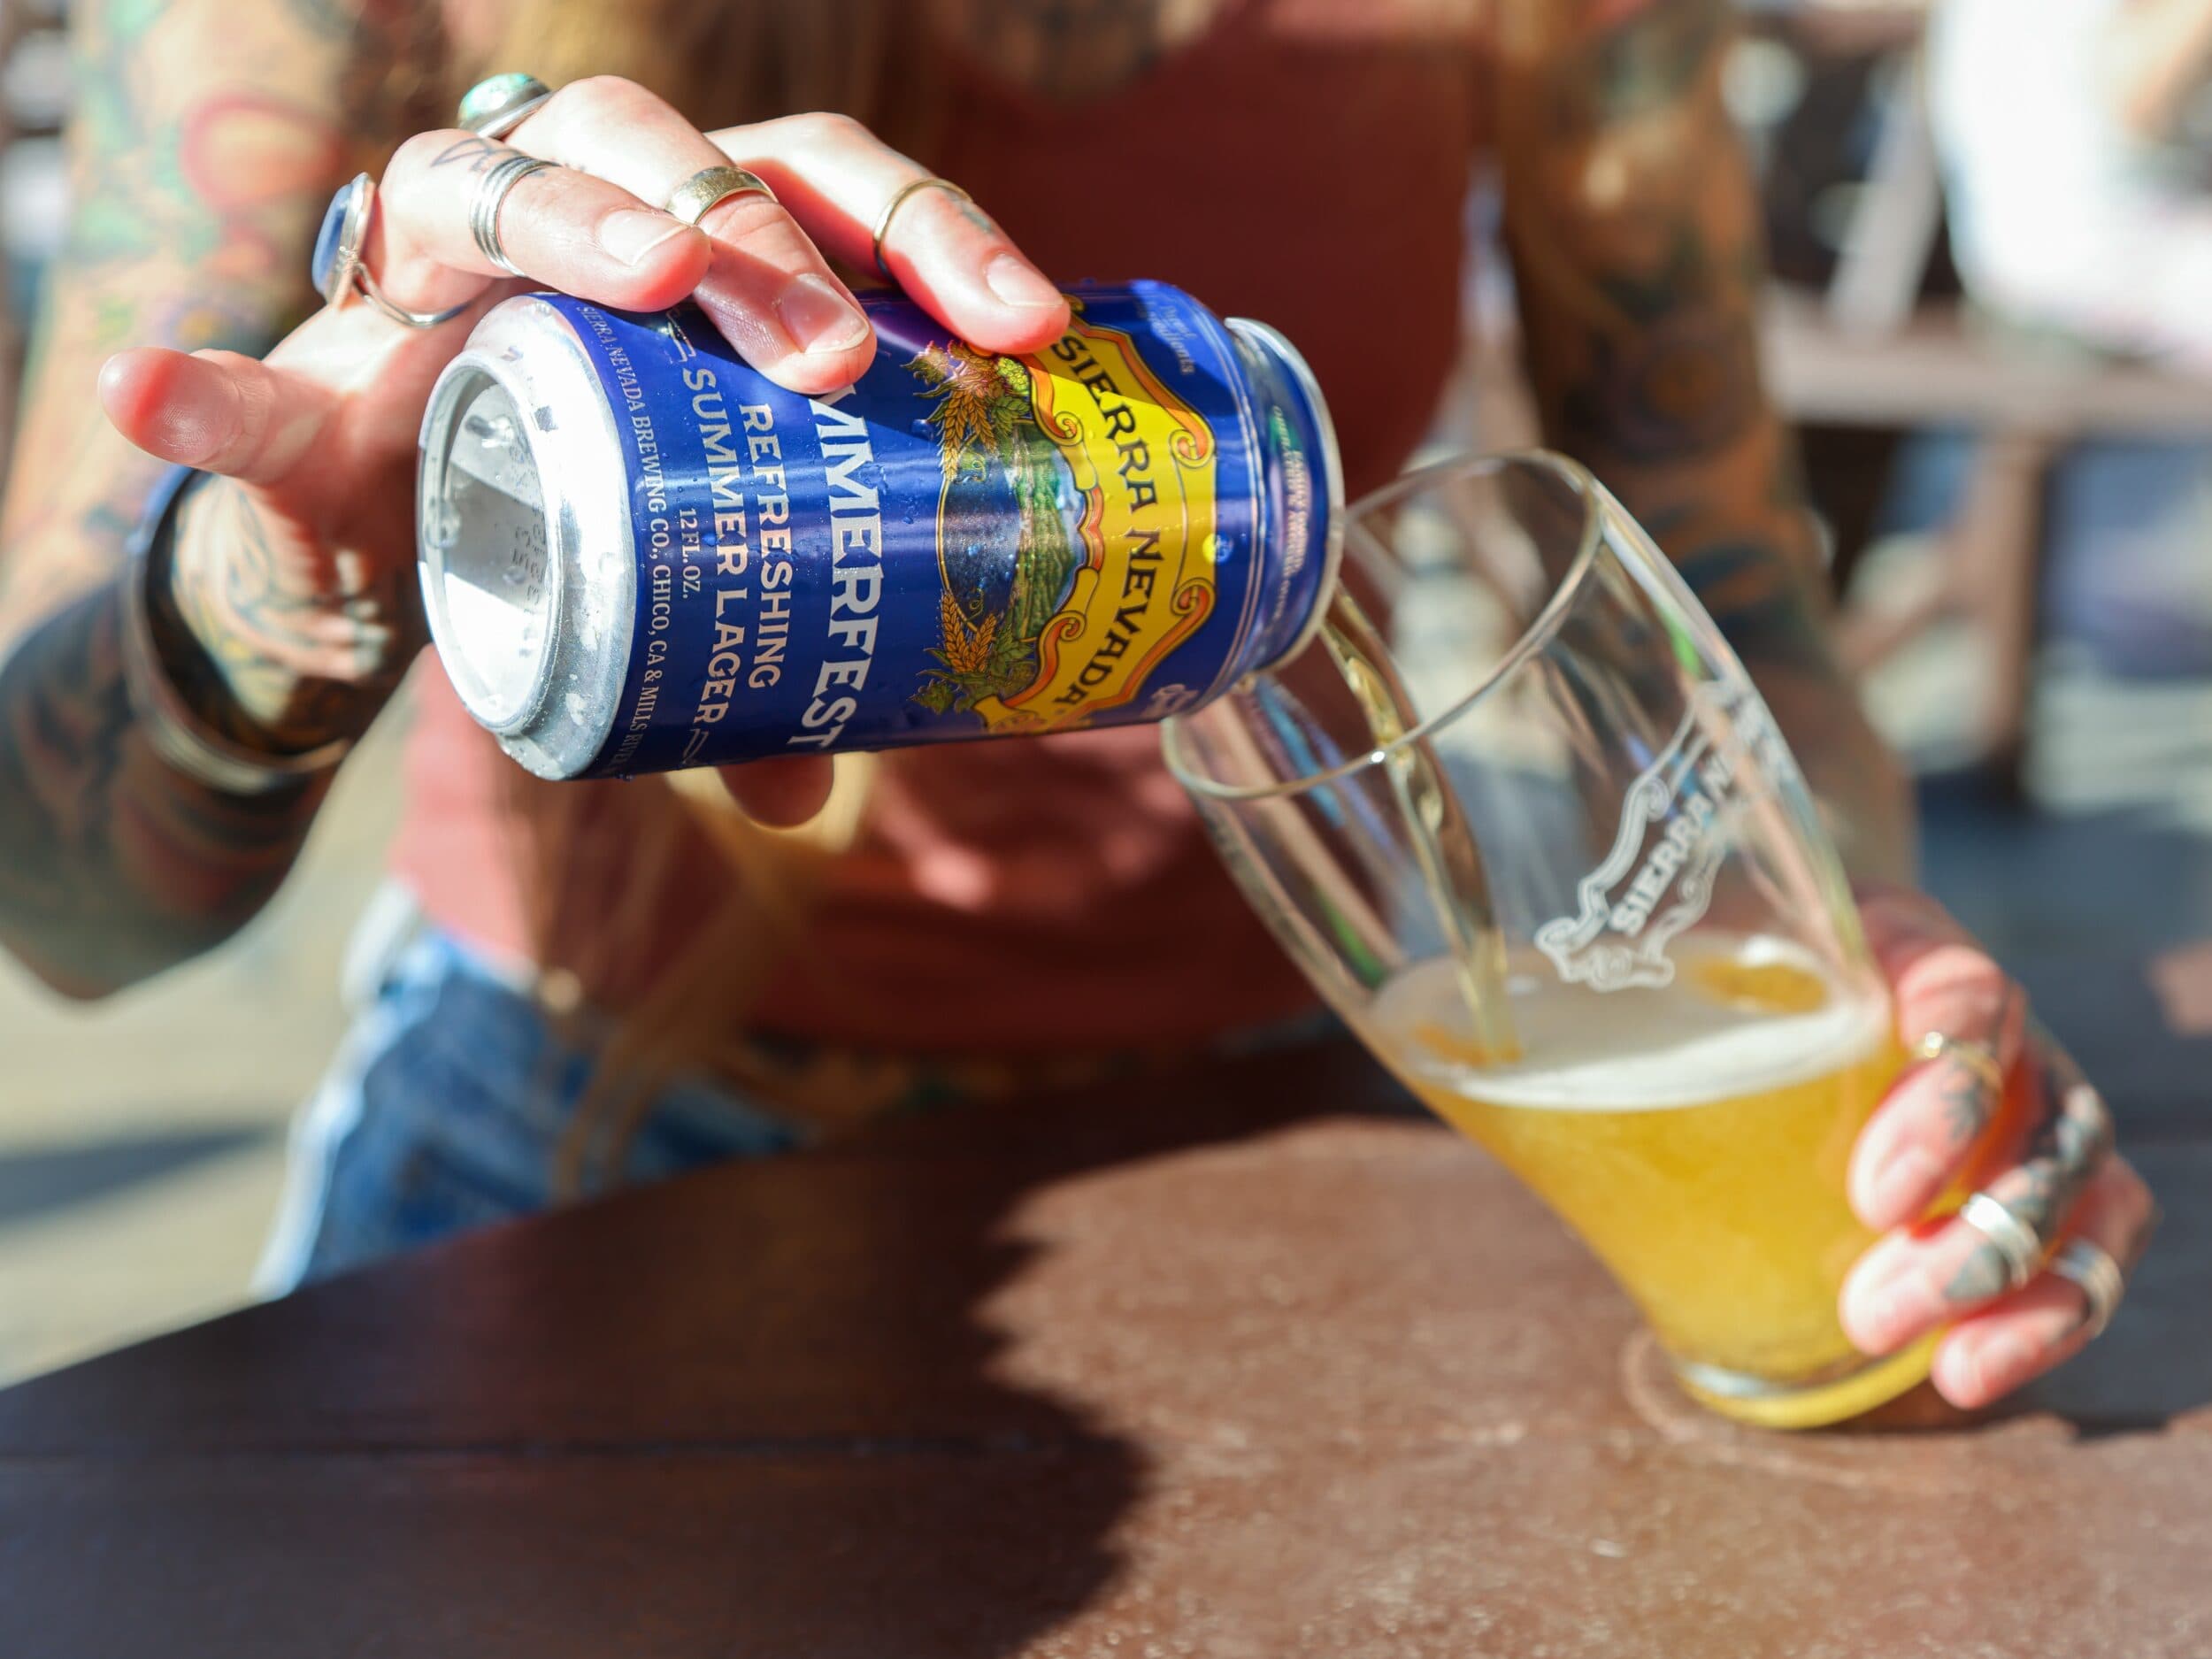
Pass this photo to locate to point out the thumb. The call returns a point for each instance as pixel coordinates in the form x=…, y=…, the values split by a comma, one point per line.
x=783, y=792
x=217, y=411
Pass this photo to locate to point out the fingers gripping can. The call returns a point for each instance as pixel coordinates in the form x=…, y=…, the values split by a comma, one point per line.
x=639, y=555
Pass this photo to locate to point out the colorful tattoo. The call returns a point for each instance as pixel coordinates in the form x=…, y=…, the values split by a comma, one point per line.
x=115, y=867
x=250, y=644
x=1633, y=222
x=330, y=20
x=203, y=143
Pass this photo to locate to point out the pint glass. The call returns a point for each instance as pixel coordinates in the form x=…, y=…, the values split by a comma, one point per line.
x=1522, y=817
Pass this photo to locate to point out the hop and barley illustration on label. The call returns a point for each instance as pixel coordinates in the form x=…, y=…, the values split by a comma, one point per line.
x=993, y=607
x=1060, y=609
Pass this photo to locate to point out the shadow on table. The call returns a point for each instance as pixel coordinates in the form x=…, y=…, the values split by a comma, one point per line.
x=2074, y=904
x=759, y=1410
x=2154, y=1363
x=771, y=1409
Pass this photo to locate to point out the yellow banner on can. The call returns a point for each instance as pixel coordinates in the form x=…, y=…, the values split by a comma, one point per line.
x=1144, y=463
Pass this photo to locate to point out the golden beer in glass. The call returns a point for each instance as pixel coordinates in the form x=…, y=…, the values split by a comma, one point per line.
x=1698, y=1146
x=1522, y=817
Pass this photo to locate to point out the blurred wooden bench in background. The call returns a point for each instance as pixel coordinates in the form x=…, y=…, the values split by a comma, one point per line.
x=1871, y=352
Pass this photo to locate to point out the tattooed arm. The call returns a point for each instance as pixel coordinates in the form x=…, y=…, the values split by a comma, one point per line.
x=200, y=153
x=1633, y=228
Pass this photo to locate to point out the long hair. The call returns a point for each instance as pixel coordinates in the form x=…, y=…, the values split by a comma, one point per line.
x=744, y=891
x=721, y=62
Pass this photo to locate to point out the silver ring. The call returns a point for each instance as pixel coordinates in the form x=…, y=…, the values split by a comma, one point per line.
x=2016, y=1240
x=337, y=268
x=2092, y=1268
x=1978, y=1057
x=492, y=186
x=898, y=201
x=709, y=188
x=496, y=106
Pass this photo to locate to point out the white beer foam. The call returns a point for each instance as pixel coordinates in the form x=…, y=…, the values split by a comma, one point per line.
x=1642, y=1049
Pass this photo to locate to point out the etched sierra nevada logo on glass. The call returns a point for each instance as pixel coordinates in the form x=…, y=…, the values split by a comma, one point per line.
x=1674, y=834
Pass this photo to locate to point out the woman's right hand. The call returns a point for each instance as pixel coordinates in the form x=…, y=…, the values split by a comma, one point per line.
x=296, y=574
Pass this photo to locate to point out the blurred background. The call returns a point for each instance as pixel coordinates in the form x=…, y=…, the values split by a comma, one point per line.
x=1992, y=227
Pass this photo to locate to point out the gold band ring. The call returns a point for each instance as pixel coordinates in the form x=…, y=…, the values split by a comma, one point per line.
x=709, y=188
x=1978, y=1057
x=2092, y=1268
x=898, y=201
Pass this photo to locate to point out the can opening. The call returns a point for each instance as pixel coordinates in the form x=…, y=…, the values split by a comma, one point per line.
x=492, y=584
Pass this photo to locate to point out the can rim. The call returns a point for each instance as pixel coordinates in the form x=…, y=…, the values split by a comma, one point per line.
x=462, y=379
x=590, y=541
x=1301, y=375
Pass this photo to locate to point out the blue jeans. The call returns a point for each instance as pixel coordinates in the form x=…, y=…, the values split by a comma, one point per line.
x=449, y=1097
x=445, y=1105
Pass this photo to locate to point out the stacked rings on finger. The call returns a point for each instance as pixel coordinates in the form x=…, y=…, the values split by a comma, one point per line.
x=492, y=188
x=496, y=106
x=709, y=188
x=2015, y=1239
x=336, y=266
x=898, y=201
x=2093, y=1269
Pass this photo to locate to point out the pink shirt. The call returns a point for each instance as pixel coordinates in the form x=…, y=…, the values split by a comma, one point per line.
x=1302, y=162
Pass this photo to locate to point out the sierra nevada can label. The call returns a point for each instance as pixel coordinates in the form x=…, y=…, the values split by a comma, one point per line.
x=640, y=554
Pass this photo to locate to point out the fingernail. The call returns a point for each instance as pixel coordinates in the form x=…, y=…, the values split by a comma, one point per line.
x=817, y=317
x=1905, y=1186
x=632, y=233
x=1018, y=282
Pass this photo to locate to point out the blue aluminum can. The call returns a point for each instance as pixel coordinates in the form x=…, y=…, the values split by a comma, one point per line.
x=639, y=555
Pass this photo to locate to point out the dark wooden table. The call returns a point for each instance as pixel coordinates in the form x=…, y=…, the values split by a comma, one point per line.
x=1177, y=1369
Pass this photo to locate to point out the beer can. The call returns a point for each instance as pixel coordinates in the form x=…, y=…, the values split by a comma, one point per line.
x=639, y=555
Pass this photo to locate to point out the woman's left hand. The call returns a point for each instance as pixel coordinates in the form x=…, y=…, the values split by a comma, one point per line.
x=2050, y=1164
